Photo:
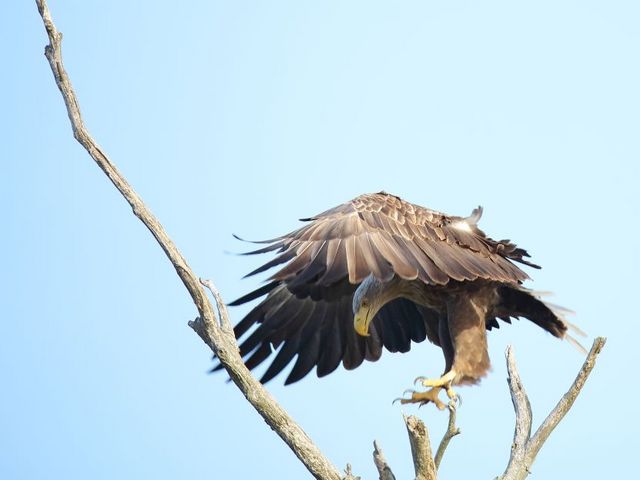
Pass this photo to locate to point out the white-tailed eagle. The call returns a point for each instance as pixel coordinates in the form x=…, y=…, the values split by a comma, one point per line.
x=381, y=272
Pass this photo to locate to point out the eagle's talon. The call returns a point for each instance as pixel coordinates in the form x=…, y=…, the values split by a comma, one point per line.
x=454, y=397
x=422, y=398
x=451, y=393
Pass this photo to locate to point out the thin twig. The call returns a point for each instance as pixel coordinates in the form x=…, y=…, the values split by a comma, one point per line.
x=384, y=470
x=348, y=474
x=223, y=345
x=223, y=313
x=451, y=432
x=420, y=448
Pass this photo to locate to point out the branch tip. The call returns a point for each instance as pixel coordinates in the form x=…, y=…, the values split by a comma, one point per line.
x=384, y=471
x=451, y=432
x=423, y=463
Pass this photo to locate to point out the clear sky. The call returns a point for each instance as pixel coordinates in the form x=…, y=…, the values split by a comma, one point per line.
x=241, y=117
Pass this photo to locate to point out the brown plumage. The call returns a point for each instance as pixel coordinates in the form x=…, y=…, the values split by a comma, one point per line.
x=416, y=272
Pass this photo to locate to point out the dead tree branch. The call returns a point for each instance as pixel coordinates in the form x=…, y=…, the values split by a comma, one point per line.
x=384, y=470
x=451, y=432
x=525, y=448
x=217, y=335
x=423, y=463
x=522, y=407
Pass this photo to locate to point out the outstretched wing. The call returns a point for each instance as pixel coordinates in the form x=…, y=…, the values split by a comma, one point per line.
x=307, y=313
x=383, y=235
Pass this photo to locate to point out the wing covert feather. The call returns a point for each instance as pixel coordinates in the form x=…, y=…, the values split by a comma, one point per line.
x=381, y=234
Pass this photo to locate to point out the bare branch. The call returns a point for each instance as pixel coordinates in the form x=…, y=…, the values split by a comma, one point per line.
x=348, y=474
x=451, y=432
x=384, y=470
x=565, y=403
x=223, y=313
x=420, y=448
x=525, y=448
x=218, y=339
x=524, y=417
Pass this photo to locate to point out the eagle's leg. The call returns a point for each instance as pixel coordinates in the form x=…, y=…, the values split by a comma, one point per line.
x=449, y=374
x=422, y=398
x=463, y=340
x=467, y=338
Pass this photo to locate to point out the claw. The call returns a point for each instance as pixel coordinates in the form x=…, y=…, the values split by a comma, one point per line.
x=419, y=380
x=454, y=403
x=451, y=393
x=423, y=398
x=453, y=396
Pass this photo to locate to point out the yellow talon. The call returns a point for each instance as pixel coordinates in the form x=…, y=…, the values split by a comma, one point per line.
x=423, y=398
x=451, y=393
x=444, y=382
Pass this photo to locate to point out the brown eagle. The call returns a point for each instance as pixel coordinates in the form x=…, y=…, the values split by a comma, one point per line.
x=381, y=272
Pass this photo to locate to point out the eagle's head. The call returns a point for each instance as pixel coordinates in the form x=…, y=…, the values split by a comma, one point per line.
x=370, y=296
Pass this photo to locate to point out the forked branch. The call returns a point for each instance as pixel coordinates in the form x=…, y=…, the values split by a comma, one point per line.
x=424, y=464
x=525, y=447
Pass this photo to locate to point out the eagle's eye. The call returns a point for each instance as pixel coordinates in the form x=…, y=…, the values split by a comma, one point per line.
x=364, y=304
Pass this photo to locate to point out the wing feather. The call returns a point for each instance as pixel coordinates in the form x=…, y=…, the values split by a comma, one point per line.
x=332, y=347
x=309, y=347
x=379, y=234
x=375, y=261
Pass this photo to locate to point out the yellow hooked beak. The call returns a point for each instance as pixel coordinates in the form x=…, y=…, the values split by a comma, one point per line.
x=361, y=321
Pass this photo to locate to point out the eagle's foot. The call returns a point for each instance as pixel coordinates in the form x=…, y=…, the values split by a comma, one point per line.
x=443, y=382
x=453, y=396
x=423, y=398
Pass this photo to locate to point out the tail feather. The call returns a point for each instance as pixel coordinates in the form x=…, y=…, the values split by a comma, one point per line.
x=575, y=343
x=520, y=302
x=562, y=313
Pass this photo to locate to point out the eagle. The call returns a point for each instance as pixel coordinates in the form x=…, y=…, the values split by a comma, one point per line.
x=378, y=272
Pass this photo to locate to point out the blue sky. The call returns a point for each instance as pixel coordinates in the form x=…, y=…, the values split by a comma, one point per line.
x=240, y=117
